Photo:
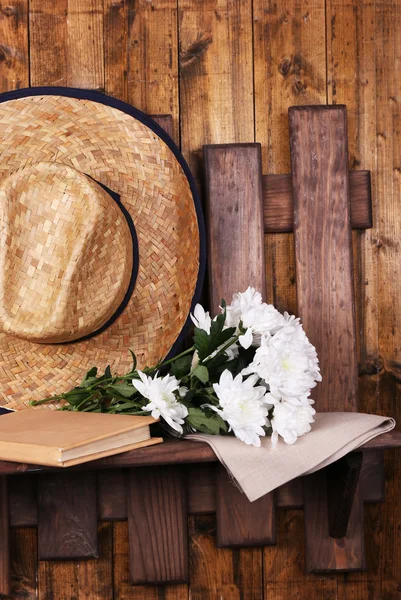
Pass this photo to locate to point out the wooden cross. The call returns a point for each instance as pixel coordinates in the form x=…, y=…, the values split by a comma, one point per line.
x=156, y=488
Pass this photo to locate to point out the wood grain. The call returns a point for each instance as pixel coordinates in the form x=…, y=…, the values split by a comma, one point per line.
x=152, y=58
x=115, y=23
x=22, y=500
x=67, y=516
x=157, y=521
x=201, y=483
x=319, y=159
x=14, y=63
x=66, y=41
x=216, y=83
x=325, y=553
x=112, y=495
x=24, y=564
x=239, y=522
x=235, y=220
x=278, y=209
x=5, y=539
x=221, y=573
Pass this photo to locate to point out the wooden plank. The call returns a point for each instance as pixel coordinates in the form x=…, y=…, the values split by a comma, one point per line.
x=14, y=67
x=284, y=574
x=220, y=572
x=157, y=522
x=372, y=476
x=115, y=23
x=290, y=495
x=22, y=501
x=201, y=483
x=241, y=523
x=66, y=43
x=235, y=219
x=325, y=553
x=112, y=495
x=216, y=82
x=278, y=209
x=67, y=516
x=152, y=58
x=342, y=480
x=319, y=158
x=24, y=564
x=4, y=539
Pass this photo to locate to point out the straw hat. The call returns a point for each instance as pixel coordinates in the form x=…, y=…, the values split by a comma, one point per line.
x=102, y=240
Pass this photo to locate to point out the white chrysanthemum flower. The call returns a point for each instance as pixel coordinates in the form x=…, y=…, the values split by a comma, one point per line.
x=201, y=318
x=290, y=422
x=243, y=406
x=288, y=363
x=257, y=317
x=163, y=400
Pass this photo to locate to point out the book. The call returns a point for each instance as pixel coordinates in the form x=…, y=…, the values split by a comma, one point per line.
x=63, y=439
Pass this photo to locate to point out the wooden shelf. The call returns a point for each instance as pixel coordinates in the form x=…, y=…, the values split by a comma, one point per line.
x=172, y=452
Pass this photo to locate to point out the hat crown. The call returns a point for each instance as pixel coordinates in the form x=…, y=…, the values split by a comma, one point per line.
x=66, y=254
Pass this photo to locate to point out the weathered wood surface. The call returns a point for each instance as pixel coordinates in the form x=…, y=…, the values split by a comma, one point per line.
x=157, y=524
x=240, y=522
x=342, y=482
x=278, y=208
x=220, y=102
x=319, y=161
x=67, y=516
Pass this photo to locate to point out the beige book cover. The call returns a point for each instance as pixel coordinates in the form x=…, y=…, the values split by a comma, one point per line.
x=62, y=438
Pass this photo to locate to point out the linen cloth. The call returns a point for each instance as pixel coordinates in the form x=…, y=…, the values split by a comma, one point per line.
x=258, y=471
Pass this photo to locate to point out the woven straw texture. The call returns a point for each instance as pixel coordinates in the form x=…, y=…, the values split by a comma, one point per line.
x=60, y=281
x=126, y=156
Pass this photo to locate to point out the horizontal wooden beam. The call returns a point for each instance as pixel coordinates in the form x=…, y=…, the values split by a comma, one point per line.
x=173, y=452
x=278, y=211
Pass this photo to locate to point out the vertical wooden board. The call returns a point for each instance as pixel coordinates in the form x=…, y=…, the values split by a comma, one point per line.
x=24, y=564
x=57, y=580
x=241, y=523
x=289, y=69
x=152, y=58
x=319, y=161
x=111, y=495
x=4, y=539
x=22, y=501
x=95, y=577
x=216, y=81
x=66, y=41
x=388, y=140
x=221, y=573
x=67, y=515
x=14, y=64
x=235, y=220
x=115, y=23
x=123, y=588
x=201, y=482
x=157, y=522
x=48, y=42
x=284, y=564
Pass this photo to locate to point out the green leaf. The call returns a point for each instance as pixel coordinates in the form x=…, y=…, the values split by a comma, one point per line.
x=107, y=372
x=206, y=344
x=201, y=421
x=181, y=367
x=91, y=374
x=122, y=390
x=202, y=373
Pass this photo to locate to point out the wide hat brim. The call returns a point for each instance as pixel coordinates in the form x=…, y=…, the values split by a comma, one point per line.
x=128, y=153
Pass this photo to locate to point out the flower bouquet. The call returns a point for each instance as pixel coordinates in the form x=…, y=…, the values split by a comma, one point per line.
x=249, y=373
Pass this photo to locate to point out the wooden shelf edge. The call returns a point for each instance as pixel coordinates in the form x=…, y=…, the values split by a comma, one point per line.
x=173, y=452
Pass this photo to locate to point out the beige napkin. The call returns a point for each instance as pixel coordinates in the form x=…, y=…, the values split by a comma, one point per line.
x=258, y=471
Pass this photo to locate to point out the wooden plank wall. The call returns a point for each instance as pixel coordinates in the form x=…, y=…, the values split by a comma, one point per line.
x=227, y=70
